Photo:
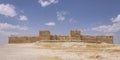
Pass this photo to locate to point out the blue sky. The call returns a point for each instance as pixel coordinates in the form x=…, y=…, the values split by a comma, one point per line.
x=28, y=17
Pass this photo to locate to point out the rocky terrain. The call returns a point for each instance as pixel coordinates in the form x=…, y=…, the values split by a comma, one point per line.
x=60, y=51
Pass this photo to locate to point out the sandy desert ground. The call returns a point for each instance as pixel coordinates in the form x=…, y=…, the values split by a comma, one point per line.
x=60, y=51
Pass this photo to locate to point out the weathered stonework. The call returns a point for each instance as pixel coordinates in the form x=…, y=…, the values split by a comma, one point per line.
x=75, y=35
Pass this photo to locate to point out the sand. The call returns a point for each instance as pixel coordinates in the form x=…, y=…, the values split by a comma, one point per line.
x=60, y=51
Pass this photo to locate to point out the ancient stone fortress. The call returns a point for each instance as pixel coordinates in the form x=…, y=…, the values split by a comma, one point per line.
x=75, y=36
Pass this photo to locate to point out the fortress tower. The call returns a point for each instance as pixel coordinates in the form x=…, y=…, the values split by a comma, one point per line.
x=75, y=35
x=44, y=35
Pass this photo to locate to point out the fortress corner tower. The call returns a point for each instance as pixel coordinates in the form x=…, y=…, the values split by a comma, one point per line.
x=75, y=35
x=44, y=35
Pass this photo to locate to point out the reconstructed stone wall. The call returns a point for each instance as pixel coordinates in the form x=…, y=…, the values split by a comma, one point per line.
x=63, y=37
x=107, y=39
x=98, y=39
x=55, y=37
x=24, y=39
x=91, y=39
x=74, y=36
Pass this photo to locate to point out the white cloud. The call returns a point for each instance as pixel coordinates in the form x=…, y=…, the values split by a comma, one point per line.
x=72, y=20
x=108, y=28
x=61, y=15
x=50, y=24
x=6, y=26
x=8, y=33
x=7, y=10
x=45, y=3
x=23, y=18
x=116, y=20
x=9, y=29
x=115, y=27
